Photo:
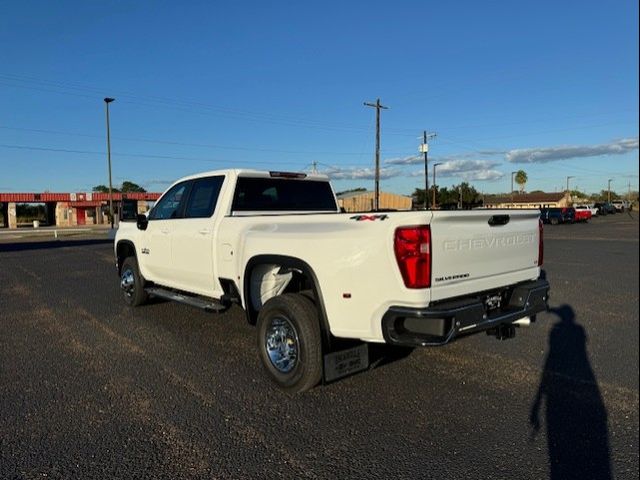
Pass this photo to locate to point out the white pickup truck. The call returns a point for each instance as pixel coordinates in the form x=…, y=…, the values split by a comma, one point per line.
x=309, y=276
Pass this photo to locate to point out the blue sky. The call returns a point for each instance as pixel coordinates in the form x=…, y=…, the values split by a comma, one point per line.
x=548, y=87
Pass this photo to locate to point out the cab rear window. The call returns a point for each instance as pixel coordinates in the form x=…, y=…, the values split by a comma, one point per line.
x=283, y=195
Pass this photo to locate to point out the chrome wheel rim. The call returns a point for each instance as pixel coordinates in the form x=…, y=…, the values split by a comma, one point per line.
x=128, y=283
x=281, y=344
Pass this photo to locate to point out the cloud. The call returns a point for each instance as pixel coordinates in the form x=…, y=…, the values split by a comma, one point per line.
x=158, y=182
x=483, y=175
x=565, y=152
x=412, y=160
x=467, y=170
x=455, y=167
x=352, y=173
x=419, y=159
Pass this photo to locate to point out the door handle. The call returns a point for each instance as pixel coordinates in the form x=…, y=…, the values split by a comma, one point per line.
x=164, y=230
x=204, y=231
x=497, y=220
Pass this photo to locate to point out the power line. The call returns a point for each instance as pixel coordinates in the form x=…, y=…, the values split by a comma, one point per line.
x=138, y=155
x=540, y=120
x=183, y=105
x=186, y=144
x=191, y=105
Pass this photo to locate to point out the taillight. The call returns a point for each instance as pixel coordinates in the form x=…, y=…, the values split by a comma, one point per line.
x=540, y=243
x=412, y=246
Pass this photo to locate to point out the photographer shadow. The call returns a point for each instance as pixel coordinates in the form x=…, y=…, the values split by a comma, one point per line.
x=576, y=418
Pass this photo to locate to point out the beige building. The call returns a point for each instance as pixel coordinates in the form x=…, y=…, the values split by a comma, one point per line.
x=362, y=201
x=530, y=200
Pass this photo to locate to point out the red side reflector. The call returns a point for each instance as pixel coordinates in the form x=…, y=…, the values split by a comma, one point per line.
x=412, y=246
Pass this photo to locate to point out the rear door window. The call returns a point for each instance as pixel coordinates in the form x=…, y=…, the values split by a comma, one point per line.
x=204, y=197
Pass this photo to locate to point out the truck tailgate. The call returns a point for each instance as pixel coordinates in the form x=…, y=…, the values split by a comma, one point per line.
x=479, y=249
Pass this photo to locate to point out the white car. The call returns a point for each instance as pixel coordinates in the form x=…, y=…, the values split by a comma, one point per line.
x=591, y=208
x=307, y=275
x=620, y=205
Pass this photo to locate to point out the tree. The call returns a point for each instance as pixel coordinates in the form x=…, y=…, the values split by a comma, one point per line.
x=603, y=196
x=470, y=196
x=521, y=179
x=448, y=198
x=101, y=189
x=578, y=194
x=128, y=187
x=359, y=189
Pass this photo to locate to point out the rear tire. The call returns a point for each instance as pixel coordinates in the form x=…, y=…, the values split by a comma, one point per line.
x=132, y=283
x=290, y=342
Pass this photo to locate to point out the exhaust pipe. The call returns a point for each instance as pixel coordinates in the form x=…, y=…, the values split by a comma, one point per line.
x=523, y=322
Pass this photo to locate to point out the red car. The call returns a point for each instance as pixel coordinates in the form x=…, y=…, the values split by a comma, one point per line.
x=583, y=214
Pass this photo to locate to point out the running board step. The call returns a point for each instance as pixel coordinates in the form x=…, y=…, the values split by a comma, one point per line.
x=208, y=304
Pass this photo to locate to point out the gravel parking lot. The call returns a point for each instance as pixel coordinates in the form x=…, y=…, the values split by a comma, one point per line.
x=90, y=388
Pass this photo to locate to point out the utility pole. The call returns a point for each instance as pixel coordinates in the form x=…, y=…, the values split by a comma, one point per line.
x=512, y=174
x=460, y=196
x=609, y=190
x=434, y=204
x=378, y=107
x=107, y=101
x=424, y=148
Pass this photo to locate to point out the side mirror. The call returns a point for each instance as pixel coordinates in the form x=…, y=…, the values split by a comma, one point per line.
x=128, y=210
x=142, y=221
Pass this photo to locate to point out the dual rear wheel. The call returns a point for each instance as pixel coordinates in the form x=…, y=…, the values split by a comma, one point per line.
x=289, y=337
x=290, y=342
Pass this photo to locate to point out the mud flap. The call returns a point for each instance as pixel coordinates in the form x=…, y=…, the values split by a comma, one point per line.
x=346, y=362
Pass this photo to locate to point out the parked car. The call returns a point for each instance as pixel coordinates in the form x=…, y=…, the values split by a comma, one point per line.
x=556, y=215
x=620, y=205
x=569, y=214
x=591, y=208
x=583, y=213
x=605, y=208
x=551, y=215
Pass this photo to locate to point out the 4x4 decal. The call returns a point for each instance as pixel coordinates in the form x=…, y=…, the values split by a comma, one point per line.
x=372, y=218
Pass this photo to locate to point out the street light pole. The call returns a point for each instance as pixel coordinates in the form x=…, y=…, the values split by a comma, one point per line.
x=609, y=190
x=568, y=177
x=434, y=204
x=512, y=174
x=107, y=101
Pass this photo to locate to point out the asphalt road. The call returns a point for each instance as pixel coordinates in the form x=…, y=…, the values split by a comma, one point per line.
x=90, y=388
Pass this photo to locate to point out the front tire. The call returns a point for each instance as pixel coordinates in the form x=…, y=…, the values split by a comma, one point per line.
x=132, y=283
x=290, y=342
